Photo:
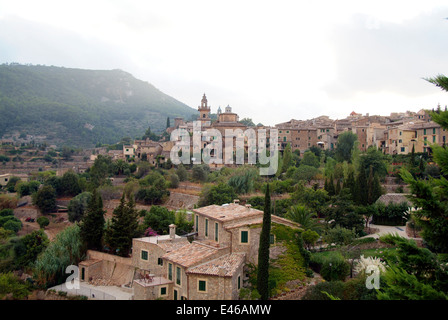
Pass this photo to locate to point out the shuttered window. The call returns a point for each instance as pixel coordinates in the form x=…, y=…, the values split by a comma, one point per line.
x=244, y=236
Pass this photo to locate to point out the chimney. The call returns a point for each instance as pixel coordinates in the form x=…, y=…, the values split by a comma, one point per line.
x=236, y=201
x=248, y=205
x=172, y=231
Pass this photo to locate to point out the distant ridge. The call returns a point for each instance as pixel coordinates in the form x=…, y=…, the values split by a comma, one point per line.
x=79, y=107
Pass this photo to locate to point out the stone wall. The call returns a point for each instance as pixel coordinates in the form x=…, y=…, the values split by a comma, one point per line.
x=182, y=201
x=27, y=212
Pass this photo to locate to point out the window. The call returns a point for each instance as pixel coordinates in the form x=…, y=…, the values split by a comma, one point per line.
x=402, y=149
x=160, y=261
x=239, y=282
x=424, y=131
x=271, y=238
x=216, y=231
x=170, y=271
x=434, y=131
x=433, y=138
x=400, y=141
x=202, y=285
x=287, y=131
x=163, y=291
x=178, y=276
x=206, y=227
x=197, y=223
x=284, y=139
x=244, y=236
x=144, y=255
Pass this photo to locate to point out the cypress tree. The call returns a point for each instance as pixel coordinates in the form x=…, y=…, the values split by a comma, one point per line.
x=263, y=250
x=167, y=122
x=350, y=183
x=123, y=227
x=331, y=189
x=361, y=188
x=374, y=187
x=92, y=223
x=337, y=189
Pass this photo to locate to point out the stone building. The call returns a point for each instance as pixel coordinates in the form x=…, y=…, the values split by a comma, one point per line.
x=211, y=267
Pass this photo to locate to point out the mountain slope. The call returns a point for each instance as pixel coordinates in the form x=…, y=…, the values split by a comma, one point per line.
x=81, y=107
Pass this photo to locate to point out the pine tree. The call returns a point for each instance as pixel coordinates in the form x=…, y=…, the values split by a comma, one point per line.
x=167, y=122
x=123, y=227
x=92, y=223
x=263, y=250
x=430, y=195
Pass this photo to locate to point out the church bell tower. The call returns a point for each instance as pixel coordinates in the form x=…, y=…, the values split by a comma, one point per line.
x=204, y=110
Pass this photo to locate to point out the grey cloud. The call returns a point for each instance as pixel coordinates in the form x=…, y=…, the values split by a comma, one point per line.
x=31, y=42
x=375, y=57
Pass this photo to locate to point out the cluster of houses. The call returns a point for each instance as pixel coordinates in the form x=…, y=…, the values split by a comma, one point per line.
x=211, y=267
x=397, y=133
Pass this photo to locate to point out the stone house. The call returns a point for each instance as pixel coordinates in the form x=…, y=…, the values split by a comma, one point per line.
x=212, y=266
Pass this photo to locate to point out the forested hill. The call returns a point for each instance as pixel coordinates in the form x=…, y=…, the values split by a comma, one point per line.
x=79, y=107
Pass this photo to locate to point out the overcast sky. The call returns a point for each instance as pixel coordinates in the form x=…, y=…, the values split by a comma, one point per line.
x=269, y=60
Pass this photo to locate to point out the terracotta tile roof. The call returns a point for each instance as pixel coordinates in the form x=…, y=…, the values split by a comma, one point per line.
x=191, y=254
x=169, y=246
x=396, y=198
x=228, y=212
x=225, y=266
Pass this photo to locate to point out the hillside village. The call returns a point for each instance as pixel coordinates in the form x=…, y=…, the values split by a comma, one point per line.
x=197, y=227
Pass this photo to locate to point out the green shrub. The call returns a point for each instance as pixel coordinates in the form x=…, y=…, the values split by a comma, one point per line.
x=317, y=292
x=353, y=289
x=335, y=267
x=43, y=222
x=364, y=241
x=6, y=212
x=391, y=214
x=13, y=225
x=10, y=284
x=390, y=238
x=339, y=236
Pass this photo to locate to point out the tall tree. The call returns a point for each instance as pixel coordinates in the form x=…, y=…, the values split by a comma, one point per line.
x=346, y=142
x=263, y=250
x=45, y=199
x=92, y=223
x=361, y=188
x=287, y=158
x=167, y=122
x=123, y=227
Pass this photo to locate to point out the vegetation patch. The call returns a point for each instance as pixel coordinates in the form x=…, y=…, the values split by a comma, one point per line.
x=288, y=266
